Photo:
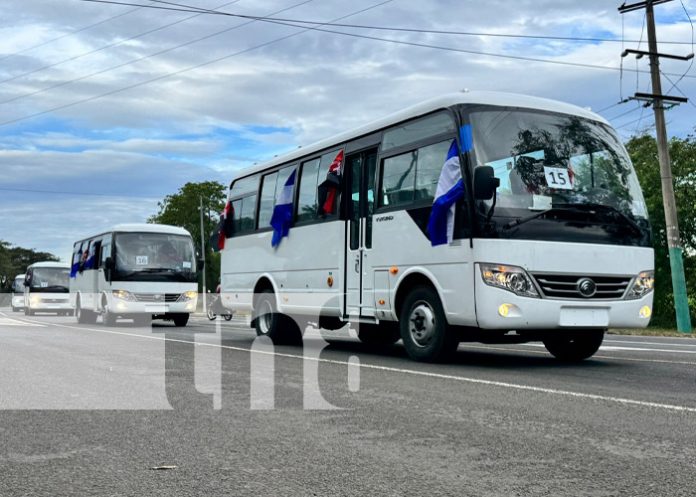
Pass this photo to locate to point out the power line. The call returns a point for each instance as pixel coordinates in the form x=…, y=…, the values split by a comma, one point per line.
x=72, y=33
x=110, y=45
x=138, y=59
x=186, y=69
x=630, y=111
x=188, y=8
x=89, y=194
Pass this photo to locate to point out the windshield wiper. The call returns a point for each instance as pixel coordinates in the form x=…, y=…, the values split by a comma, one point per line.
x=608, y=208
x=555, y=208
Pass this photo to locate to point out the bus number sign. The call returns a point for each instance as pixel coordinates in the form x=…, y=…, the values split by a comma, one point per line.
x=558, y=178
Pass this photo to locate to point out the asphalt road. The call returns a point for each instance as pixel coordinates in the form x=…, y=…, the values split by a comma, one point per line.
x=89, y=410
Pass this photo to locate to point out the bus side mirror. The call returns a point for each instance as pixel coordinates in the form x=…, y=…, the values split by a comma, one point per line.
x=200, y=264
x=485, y=183
x=27, y=280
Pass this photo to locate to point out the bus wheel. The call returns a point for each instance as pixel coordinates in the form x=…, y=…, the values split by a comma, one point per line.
x=108, y=317
x=575, y=346
x=379, y=335
x=28, y=312
x=424, y=329
x=180, y=320
x=84, y=316
x=269, y=322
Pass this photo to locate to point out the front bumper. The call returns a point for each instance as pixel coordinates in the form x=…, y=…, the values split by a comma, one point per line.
x=50, y=306
x=124, y=307
x=524, y=313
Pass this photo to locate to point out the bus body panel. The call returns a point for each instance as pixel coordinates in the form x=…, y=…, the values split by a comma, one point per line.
x=305, y=270
x=399, y=243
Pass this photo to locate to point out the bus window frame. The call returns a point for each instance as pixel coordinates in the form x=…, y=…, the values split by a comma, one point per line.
x=296, y=197
x=268, y=172
x=410, y=147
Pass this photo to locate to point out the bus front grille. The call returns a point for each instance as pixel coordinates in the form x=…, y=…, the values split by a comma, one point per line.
x=568, y=286
x=157, y=297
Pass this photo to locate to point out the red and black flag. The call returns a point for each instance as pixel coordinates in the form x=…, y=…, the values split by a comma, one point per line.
x=328, y=190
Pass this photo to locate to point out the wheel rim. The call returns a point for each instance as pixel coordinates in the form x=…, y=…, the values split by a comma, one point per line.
x=266, y=317
x=421, y=324
x=211, y=314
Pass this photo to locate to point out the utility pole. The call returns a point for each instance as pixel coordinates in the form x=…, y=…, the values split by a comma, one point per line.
x=657, y=99
x=205, y=288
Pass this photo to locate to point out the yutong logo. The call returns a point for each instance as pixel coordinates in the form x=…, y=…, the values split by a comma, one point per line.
x=586, y=287
x=384, y=218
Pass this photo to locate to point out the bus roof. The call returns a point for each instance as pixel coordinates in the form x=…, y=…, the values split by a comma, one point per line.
x=442, y=102
x=59, y=265
x=139, y=228
x=150, y=228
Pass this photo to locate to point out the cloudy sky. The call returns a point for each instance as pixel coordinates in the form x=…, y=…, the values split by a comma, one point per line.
x=104, y=109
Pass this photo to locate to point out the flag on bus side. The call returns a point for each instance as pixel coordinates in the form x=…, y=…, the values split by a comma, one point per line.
x=328, y=190
x=282, y=212
x=450, y=188
x=223, y=229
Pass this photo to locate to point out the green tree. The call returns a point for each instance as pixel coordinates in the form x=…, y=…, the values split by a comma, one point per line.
x=643, y=151
x=14, y=261
x=183, y=209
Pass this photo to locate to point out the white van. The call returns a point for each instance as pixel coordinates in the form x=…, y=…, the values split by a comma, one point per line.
x=46, y=288
x=18, y=293
x=135, y=271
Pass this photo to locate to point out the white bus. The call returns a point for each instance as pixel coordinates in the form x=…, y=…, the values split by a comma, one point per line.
x=46, y=289
x=135, y=271
x=550, y=241
x=18, y=293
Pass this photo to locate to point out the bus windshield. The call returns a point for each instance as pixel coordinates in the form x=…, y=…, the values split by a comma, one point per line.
x=546, y=160
x=154, y=254
x=49, y=279
x=18, y=285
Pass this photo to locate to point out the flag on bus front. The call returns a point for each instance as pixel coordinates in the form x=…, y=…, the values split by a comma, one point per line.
x=282, y=212
x=450, y=188
x=328, y=189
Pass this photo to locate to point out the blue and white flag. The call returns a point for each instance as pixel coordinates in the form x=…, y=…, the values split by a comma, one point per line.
x=450, y=188
x=282, y=212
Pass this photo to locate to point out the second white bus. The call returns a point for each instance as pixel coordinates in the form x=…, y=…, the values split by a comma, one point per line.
x=135, y=271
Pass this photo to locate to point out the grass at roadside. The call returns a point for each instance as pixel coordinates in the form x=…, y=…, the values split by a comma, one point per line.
x=652, y=332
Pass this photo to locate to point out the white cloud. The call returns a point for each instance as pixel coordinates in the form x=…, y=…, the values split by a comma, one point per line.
x=209, y=122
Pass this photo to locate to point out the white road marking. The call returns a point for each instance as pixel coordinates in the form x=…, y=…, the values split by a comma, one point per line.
x=633, y=349
x=413, y=372
x=596, y=356
x=670, y=344
x=5, y=321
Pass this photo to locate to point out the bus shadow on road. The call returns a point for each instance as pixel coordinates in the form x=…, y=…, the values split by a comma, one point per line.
x=495, y=359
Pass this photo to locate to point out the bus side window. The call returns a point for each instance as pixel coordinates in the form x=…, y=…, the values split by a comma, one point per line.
x=95, y=255
x=268, y=196
x=412, y=177
x=307, y=200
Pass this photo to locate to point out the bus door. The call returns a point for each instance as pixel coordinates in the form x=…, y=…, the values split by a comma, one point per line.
x=360, y=177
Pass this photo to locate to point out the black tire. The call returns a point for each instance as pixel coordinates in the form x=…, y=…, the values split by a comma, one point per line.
x=211, y=313
x=84, y=316
x=228, y=317
x=379, y=335
x=424, y=329
x=108, y=317
x=574, y=346
x=281, y=329
x=181, y=320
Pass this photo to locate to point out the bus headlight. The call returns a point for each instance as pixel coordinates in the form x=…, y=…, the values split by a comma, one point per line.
x=188, y=296
x=643, y=284
x=124, y=295
x=511, y=278
x=34, y=300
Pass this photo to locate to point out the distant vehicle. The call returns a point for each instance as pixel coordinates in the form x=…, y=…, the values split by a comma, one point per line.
x=18, y=293
x=135, y=271
x=46, y=287
x=545, y=236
